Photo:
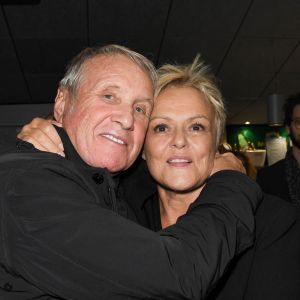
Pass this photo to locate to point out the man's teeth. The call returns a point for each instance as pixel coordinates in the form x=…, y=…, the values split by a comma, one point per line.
x=177, y=160
x=114, y=139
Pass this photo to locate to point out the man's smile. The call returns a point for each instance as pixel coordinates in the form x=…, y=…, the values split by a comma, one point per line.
x=114, y=139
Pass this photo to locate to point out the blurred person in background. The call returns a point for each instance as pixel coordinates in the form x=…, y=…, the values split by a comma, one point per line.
x=283, y=178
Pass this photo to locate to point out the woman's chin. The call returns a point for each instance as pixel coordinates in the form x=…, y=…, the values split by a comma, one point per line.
x=183, y=187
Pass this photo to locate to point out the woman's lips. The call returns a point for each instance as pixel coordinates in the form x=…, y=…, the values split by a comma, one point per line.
x=179, y=161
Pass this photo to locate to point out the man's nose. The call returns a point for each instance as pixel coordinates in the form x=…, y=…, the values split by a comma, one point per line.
x=178, y=139
x=124, y=116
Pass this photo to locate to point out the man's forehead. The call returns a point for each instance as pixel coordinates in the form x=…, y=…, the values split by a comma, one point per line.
x=106, y=71
x=114, y=64
x=111, y=61
x=102, y=60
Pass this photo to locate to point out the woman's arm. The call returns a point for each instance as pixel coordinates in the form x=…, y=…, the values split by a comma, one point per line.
x=41, y=133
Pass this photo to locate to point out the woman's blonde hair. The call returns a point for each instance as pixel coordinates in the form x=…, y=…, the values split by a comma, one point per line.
x=196, y=75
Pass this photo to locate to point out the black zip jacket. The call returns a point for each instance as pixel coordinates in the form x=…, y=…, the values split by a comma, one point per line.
x=270, y=269
x=62, y=236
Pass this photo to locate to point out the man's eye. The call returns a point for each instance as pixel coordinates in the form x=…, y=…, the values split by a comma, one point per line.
x=140, y=109
x=108, y=97
x=160, y=128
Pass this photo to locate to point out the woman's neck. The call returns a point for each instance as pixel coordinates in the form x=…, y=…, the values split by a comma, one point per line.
x=173, y=204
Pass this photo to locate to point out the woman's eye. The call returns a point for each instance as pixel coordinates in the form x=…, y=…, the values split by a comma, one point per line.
x=197, y=127
x=160, y=128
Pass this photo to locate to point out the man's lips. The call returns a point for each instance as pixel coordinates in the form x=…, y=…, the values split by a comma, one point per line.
x=114, y=139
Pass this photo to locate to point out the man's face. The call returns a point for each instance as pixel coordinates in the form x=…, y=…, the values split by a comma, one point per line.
x=294, y=128
x=108, y=121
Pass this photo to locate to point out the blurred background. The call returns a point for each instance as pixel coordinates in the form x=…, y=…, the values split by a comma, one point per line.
x=252, y=47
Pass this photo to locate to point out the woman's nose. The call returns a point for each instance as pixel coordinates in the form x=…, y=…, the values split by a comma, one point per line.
x=179, y=139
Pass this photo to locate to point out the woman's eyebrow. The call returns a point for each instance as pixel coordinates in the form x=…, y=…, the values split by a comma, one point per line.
x=199, y=117
x=189, y=119
x=159, y=117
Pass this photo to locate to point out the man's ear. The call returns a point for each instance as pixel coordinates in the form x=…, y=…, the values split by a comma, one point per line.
x=60, y=104
x=287, y=128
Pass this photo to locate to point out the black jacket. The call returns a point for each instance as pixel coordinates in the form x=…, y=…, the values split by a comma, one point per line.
x=273, y=181
x=268, y=270
x=271, y=268
x=61, y=239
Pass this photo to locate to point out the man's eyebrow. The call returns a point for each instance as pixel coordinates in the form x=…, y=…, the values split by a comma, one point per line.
x=141, y=99
x=111, y=87
x=145, y=100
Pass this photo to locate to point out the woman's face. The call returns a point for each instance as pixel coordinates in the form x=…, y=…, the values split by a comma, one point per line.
x=180, y=143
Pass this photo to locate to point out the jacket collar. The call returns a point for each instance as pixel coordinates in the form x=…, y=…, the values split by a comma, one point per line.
x=72, y=155
x=138, y=184
x=70, y=152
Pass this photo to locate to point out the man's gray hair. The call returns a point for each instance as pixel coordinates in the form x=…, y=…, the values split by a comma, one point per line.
x=74, y=71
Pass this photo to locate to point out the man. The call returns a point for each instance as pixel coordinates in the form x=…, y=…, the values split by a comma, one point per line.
x=62, y=235
x=283, y=178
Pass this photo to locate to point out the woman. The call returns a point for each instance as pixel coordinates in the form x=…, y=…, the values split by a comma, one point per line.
x=184, y=132
x=182, y=138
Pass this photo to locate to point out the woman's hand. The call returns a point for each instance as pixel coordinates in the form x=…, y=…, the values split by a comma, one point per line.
x=41, y=133
x=227, y=161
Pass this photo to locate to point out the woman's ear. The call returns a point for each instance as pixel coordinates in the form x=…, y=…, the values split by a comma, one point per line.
x=143, y=154
x=60, y=103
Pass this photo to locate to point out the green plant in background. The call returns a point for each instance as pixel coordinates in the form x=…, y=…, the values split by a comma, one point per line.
x=240, y=135
x=242, y=141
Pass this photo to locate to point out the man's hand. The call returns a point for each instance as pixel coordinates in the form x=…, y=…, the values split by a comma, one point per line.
x=42, y=135
x=227, y=161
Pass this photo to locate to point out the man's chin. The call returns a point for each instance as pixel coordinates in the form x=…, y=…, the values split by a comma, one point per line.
x=112, y=166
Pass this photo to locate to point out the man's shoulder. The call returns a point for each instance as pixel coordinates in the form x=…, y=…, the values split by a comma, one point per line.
x=274, y=218
x=24, y=163
x=23, y=156
x=275, y=167
x=272, y=204
x=270, y=178
x=7, y=142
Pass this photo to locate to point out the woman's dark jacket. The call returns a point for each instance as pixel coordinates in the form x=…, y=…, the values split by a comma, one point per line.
x=62, y=236
x=268, y=270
